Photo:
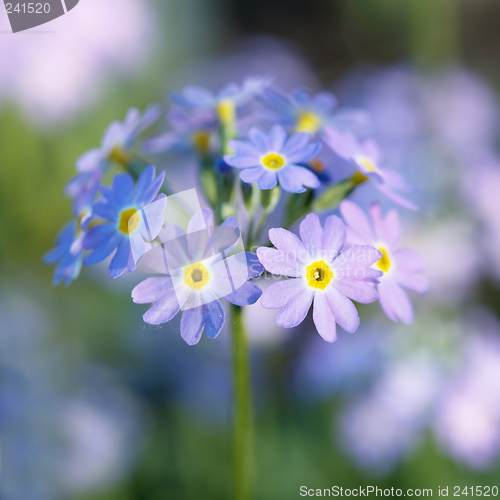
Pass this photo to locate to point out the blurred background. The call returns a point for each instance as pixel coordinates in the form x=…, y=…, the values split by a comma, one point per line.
x=94, y=404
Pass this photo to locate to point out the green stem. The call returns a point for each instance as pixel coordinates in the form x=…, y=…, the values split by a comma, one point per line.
x=243, y=449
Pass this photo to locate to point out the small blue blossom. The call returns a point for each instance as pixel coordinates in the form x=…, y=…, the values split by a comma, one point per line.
x=68, y=252
x=116, y=146
x=307, y=112
x=132, y=217
x=198, y=274
x=225, y=102
x=265, y=159
x=192, y=131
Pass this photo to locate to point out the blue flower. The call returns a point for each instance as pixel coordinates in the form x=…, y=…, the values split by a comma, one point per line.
x=132, y=218
x=265, y=159
x=306, y=112
x=116, y=146
x=225, y=102
x=192, y=131
x=68, y=252
x=198, y=274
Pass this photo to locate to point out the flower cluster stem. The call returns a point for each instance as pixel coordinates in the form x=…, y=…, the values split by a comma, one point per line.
x=243, y=419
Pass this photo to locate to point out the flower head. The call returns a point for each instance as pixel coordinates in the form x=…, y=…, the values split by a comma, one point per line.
x=132, y=217
x=198, y=274
x=265, y=159
x=116, y=146
x=401, y=267
x=321, y=272
x=225, y=102
x=192, y=131
x=307, y=112
x=303, y=110
x=365, y=156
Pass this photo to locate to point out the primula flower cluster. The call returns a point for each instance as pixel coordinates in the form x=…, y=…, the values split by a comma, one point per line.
x=255, y=146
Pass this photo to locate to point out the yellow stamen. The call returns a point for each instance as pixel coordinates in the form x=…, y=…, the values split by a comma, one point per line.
x=129, y=219
x=273, y=161
x=384, y=263
x=201, y=141
x=227, y=111
x=319, y=274
x=367, y=163
x=196, y=276
x=119, y=156
x=308, y=122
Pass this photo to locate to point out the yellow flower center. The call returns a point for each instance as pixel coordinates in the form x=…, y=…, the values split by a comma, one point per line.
x=128, y=220
x=201, y=140
x=308, y=122
x=119, y=156
x=384, y=263
x=227, y=111
x=196, y=276
x=273, y=161
x=367, y=163
x=319, y=274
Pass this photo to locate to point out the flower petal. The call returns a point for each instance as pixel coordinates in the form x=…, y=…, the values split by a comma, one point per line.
x=151, y=289
x=295, y=311
x=267, y=181
x=296, y=142
x=119, y=262
x=304, y=176
x=280, y=262
x=289, y=182
x=344, y=311
x=359, y=230
x=192, y=325
x=277, y=138
x=259, y=139
x=311, y=234
x=245, y=295
x=240, y=161
x=323, y=318
x=395, y=301
x=282, y=292
x=252, y=174
x=415, y=282
x=334, y=236
x=213, y=317
x=360, y=291
x=123, y=189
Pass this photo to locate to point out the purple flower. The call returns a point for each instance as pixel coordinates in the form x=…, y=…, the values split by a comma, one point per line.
x=192, y=131
x=307, y=112
x=116, y=146
x=227, y=100
x=401, y=266
x=265, y=159
x=198, y=274
x=468, y=414
x=366, y=158
x=319, y=272
x=132, y=217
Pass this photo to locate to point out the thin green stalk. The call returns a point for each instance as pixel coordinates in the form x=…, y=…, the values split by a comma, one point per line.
x=243, y=421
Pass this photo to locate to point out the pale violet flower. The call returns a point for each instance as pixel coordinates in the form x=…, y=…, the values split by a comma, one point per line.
x=269, y=158
x=401, y=266
x=366, y=157
x=319, y=271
